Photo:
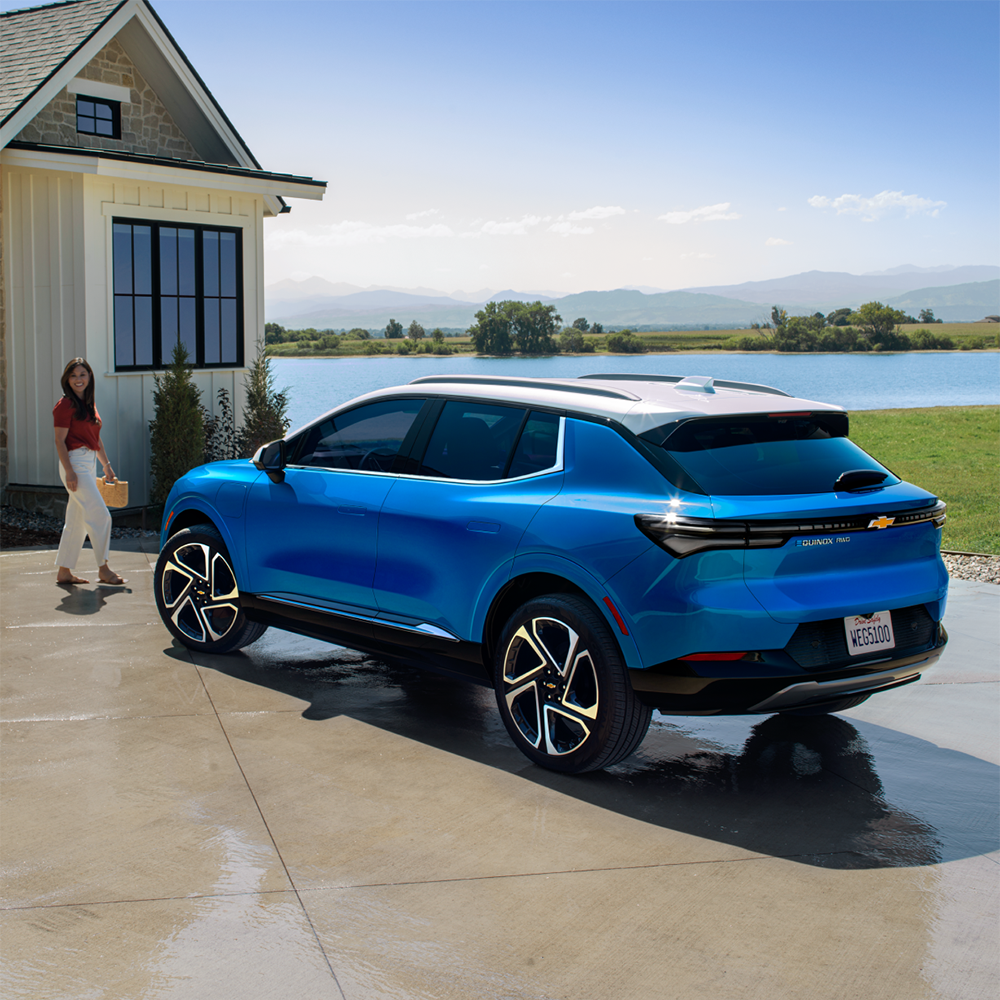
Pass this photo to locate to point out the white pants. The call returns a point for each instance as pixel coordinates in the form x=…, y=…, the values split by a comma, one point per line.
x=86, y=512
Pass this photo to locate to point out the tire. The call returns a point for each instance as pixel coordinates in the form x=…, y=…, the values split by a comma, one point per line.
x=562, y=687
x=197, y=594
x=831, y=706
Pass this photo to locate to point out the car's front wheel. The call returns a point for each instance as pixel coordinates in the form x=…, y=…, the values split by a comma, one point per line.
x=197, y=595
x=562, y=687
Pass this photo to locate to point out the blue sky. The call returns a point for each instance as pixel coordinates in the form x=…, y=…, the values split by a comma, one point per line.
x=586, y=145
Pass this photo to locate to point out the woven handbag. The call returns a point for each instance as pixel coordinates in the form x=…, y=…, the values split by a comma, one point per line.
x=114, y=494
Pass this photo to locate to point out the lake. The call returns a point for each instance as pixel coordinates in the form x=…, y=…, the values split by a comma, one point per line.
x=854, y=381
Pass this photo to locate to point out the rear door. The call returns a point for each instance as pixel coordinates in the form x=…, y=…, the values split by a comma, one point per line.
x=450, y=530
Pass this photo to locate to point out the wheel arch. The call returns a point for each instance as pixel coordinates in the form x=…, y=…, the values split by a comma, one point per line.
x=195, y=515
x=527, y=586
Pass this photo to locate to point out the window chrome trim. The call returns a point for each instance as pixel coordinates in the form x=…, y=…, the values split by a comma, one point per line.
x=558, y=466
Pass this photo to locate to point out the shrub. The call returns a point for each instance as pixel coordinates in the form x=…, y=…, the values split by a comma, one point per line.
x=839, y=338
x=177, y=431
x=891, y=340
x=220, y=431
x=624, y=342
x=750, y=344
x=571, y=340
x=924, y=340
x=264, y=418
x=974, y=344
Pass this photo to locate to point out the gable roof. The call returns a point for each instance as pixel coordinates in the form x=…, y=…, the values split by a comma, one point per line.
x=43, y=48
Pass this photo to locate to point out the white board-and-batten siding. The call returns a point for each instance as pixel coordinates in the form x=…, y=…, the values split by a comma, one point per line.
x=59, y=302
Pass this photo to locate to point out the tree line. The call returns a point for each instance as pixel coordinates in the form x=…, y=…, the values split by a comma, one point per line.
x=871, y=327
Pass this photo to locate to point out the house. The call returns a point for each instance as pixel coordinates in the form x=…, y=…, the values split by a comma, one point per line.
x=131, y=216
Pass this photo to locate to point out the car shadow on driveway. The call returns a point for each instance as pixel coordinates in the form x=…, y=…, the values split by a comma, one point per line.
x=822, y=791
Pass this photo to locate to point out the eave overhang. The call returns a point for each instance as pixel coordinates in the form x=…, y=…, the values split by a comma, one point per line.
x=140, y=168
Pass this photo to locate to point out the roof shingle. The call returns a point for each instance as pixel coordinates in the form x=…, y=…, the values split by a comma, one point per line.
x=36, y=41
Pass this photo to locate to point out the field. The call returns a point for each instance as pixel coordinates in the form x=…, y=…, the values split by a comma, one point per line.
x=951, y=451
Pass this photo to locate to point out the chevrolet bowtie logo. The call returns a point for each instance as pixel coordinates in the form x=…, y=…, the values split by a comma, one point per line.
x=881, y=522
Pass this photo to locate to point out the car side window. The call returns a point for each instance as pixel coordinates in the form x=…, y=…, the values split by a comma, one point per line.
x=367, y=438
x=472, y=441
x=537, y=447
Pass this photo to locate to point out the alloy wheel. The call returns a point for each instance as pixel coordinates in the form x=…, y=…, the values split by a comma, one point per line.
x=550, y=686
x=199, y=592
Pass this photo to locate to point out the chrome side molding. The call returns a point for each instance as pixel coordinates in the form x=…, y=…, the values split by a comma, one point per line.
x=424, y=628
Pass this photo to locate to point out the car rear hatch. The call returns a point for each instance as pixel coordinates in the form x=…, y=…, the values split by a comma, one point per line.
x=827, y=531
x=836, y=556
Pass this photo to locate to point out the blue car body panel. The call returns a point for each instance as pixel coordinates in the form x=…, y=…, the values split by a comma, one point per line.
x=315, y=535
x=440, y=544
x=217, y=492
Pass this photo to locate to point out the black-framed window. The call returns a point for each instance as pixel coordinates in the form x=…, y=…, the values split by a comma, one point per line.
x=177, y=284
x=98, y=117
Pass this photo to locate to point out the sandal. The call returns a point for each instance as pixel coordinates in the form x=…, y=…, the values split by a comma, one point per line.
x=71, y=581
x=115, y=581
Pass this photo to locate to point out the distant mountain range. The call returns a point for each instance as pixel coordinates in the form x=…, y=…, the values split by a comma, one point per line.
x=956, y=294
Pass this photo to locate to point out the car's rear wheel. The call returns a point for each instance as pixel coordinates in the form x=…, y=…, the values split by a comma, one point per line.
x=562, y=687
x=197, y=594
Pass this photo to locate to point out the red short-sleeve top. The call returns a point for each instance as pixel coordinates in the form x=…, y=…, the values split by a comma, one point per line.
x=82, y=433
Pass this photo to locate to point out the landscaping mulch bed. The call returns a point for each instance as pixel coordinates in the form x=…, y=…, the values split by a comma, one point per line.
x=20, y=529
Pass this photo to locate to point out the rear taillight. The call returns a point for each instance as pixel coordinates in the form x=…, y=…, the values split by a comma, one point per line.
x=684, y=536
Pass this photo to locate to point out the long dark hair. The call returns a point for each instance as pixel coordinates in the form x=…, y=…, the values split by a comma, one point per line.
x=84, y=408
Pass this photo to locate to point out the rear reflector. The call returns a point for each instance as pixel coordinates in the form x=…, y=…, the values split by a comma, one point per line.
x=618, y=617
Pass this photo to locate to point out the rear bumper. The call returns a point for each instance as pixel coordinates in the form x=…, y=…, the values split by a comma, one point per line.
x=807, y=693
x=747, y=695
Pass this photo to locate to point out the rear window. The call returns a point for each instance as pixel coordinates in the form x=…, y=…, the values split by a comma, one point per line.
x=472, y=441
x=762, y=455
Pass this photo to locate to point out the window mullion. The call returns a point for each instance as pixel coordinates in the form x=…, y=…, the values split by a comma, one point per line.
x=199, y=295
x=154, y=287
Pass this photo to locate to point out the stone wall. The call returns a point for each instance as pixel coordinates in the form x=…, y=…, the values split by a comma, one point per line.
x=146, y=124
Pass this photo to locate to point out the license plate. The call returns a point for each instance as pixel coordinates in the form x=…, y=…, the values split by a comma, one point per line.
x=869, y=633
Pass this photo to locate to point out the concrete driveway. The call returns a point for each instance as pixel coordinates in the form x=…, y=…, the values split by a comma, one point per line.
x=295, y=821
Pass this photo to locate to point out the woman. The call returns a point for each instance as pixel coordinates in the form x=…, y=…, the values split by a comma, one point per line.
x=78, y=444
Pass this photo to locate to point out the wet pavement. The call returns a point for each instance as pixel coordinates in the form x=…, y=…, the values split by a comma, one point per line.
x=297, y=821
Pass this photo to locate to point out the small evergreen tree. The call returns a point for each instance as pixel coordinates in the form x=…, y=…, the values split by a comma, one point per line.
x=264, y=417
x=220, y=431
x=177, y=431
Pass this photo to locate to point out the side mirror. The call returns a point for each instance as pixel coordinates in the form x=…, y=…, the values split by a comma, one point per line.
x=270, y=458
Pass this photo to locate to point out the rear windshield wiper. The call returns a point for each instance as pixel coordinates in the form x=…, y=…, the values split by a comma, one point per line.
x=859, y=479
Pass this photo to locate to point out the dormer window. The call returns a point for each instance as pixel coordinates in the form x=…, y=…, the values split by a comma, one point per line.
x=95, y=116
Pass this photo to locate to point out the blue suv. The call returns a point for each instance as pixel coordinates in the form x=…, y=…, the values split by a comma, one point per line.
x=591, y=548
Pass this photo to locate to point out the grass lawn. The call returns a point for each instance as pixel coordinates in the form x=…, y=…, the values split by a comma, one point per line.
x=951, y=451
